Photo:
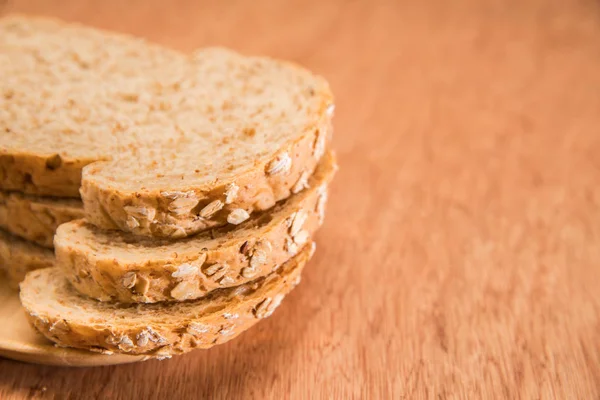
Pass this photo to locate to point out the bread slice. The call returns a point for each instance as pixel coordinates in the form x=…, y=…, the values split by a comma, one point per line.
x=55, y=114
x=162, y=329
x=18, y=257
x=195, y=141
x=117, y=266
x=240, y=147
x=36, y=218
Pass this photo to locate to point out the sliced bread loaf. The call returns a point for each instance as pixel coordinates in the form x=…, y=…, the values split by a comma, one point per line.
x=18, y=257
x=162, y=329
x=36, y=218
x=118, y=266
x=195, y=141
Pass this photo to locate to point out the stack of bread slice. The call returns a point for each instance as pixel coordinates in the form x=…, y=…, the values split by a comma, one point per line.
x=203, y=180
x=28, y=223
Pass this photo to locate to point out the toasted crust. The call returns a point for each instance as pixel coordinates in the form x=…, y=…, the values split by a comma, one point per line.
x=161, y=330
x=18, y=257
x=35, y=218
x=117, y=266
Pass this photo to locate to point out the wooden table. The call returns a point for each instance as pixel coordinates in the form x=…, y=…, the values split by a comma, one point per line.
x=461, y=253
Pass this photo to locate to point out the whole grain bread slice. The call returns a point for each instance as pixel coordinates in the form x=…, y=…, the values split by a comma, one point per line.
x=55, y=114
x=194, y=141
x=118, y=266
x=36, y=218
x=62, y=315
x=18, y=257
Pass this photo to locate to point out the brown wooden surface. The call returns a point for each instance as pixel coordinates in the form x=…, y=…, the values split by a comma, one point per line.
x=461, y=253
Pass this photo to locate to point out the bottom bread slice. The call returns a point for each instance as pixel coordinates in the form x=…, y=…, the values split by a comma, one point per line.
x=162, y=329
x=36, y=218
x=18, y=257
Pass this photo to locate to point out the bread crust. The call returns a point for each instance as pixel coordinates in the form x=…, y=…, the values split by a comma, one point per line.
x=151, y=213
x=158, y=330
x=191, y=268
x=35, y=218
x=18, y=257
x=36, y=174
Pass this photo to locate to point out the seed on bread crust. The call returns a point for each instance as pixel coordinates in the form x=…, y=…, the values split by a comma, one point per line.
x=248, y=272
x=142, y=338
x=320, y=144
x=195, y=328
x=185, y=290
x=129, y=280
x=215, y=269
x=172, y=195
x=183, y=205
x=227, y=331
x=122, y=342
x=266, y=307
x=280, y=164
x=290, y=246
x=264, y=245
x=141, y=212
x=321, y=203
x=258, y=258
x=231, y=193
x=237, y=216
x=162, y=354
x=226, y=280
x=301, y=183
x=60, y=326
x=330, y=110
x=211, y=208
x=301, y=237
x=297, y=221
x=152, y=335
x=313, y=248
x=185, y=270
x=132, y=223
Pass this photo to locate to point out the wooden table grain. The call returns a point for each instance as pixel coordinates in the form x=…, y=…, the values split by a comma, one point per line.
x=460, y=257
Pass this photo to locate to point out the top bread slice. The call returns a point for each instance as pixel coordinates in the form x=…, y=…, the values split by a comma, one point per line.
x=191, y=141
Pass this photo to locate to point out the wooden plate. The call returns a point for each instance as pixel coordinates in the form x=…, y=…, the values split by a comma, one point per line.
x=19, y=341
